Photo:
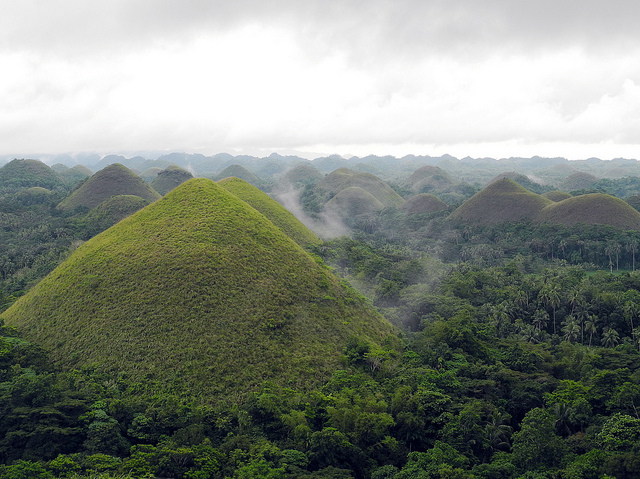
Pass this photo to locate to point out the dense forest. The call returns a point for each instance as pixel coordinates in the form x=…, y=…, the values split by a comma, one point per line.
x=517, y=353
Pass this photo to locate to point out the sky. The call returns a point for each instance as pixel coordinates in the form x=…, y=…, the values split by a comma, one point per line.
x=491, y=78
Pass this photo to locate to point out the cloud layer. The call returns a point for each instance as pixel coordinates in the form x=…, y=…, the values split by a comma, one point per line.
x=496, y=78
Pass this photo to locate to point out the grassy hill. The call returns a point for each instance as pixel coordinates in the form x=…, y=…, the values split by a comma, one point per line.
x=429, y=178
x=557, y=195
x=274, y=211
x=595, y=208
x=502, y=201
x=578, y=181
x=72, y=176
x=344, y=178
x=26, y=173
x=354, y=201
x=424, y=204
x=301, y=175
x=200, y=294
x=169, y=178
x=241, y=172
x=110, y=211
x=522, y=180
x=114, y=180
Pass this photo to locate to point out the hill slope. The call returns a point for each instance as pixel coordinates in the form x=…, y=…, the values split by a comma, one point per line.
x=502, y=201
x=113, y=180
x=595, y=208
x=274, y=211
x=199, y=293
x=344, y=178
x=169, y=178
x=27, y=173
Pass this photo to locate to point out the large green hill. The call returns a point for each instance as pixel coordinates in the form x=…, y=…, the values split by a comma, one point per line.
x=502, y=201
x=274, y=211
x=592, y=209
x=197, y=293
x=26, y=173
x=114, y=180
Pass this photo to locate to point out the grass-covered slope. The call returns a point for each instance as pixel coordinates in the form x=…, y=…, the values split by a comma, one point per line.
x=592, y=209
x=424, y=203
x=169, y=178
x=273, y=210
x=500, y=202
x=429, y=178
x=26, y=173
x=557, y=195
x=110, y=211
x=114, y=180
x=200, y=293
x=354, y=201
x=301, y=175
x=578, y=181
x=344, y=178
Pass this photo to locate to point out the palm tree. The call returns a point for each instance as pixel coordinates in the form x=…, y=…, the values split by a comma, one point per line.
x=610, y=338
x=632, y=247
x=591, y=325
x=630, y=310
x=571, y=329
x=540, y=319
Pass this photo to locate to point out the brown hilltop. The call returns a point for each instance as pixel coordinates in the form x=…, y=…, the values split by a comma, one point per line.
x=500, y=202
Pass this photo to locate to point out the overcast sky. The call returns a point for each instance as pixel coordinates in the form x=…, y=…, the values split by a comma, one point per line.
x=473, y=78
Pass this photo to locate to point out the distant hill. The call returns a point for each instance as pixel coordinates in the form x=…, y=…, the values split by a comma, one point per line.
x=111, y=181
x=301, y=175
x=424, y=204
x=150, y=174
x=429, y=178
x=502, y=201
x=523, y=181
x=578, y=181
x=344, y=178
x=556, y=195
x=353, y=201
x=169, y=178
x=26, y=173
x=594, y=208
x=241, y=172
x=110, y=211
x=198, y=294
x=72, y=176
x=273, y=210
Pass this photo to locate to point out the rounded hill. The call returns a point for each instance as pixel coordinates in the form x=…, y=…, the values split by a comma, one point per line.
x=28, y=173
x=594, y=208
x=424, y=203
x=197, y=293
x=344, y=178
x=114, y=180
x=354, y=201
x=241, y=172
x=301, y=175
x=274, y=211
x=429, y=178
x=500, y=202
x=578, y=181
x=169, y=178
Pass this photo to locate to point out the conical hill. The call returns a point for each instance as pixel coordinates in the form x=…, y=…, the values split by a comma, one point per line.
x=344, y=178
x=595, y=208
x=274, y=211
x=197, y=293
x=502, y=201
x=27, y=173
x=115, y=179
x=169, y=178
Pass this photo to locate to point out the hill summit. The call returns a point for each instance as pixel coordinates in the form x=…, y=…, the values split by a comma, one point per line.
x=197, y=293
x=114, y=180
x=502, y=201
